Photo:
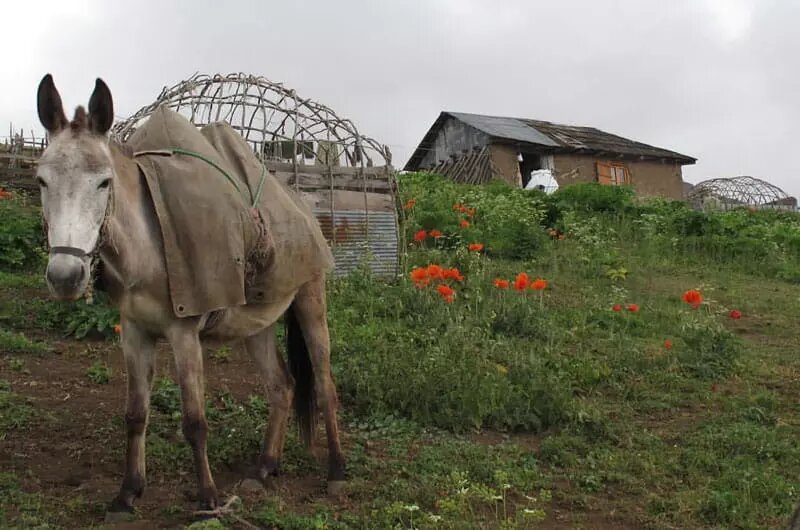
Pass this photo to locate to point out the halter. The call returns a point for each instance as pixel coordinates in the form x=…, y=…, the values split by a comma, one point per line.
x=79, y=253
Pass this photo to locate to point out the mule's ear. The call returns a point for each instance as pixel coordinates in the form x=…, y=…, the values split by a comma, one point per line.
x=48, y=102
x=101, y=108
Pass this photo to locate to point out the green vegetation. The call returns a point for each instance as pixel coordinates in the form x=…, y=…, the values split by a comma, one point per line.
x=506, y=408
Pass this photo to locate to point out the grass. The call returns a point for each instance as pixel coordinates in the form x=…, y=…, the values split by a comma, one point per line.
x=15, y=412
x=512, y=410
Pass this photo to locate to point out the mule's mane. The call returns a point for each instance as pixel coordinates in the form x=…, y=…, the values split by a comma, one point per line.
x=80, y=122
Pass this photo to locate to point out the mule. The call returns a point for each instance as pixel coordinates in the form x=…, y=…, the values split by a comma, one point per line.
x=97, y=208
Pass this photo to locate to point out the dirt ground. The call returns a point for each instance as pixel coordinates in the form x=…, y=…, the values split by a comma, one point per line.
x=78, y=448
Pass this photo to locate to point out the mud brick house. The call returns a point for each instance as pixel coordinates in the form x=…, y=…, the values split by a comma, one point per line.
x=474, y=149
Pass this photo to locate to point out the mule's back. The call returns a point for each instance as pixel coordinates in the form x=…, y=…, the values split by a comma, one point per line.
x=298, y=250
x=219, y=252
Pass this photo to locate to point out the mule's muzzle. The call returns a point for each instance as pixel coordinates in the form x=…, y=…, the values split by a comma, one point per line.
x=67, y=273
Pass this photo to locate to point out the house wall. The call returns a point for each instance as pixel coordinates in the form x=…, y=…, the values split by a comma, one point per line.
x=647, y=177
x=454, y=138
x=504, y=164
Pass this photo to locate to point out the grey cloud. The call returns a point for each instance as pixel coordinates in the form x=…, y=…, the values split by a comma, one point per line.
x=659, y=72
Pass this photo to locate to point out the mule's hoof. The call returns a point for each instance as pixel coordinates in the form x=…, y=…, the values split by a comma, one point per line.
x=251, y=485
x=336, y=487
x=119, y=517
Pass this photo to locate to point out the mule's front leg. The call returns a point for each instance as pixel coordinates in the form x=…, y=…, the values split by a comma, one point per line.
x=138, y=349
x=183, y=336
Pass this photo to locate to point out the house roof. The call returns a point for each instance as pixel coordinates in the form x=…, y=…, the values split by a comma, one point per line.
x=547, y=135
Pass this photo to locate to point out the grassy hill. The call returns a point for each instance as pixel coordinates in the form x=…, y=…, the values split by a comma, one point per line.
x=605, y=397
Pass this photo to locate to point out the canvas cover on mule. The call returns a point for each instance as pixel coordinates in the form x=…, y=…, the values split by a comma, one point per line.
x=219, y=251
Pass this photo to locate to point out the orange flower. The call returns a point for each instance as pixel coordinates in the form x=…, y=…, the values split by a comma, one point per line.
x=501, y=283
x=521, y=281
x=435, y=272
x=435, y=234
x=452, y=274
x=459, y=208
x=693, y=298
x=410, y=204
x=616, y=308
x=475, y=247
x=539, y=284
x=5, y=194
x=667, y=344
x=420, y=236
x=420, y=276
x=117, y=329
x=446, y=292
x=735, y=314
x=633, y=308
x=464, y=223
x=470, y=212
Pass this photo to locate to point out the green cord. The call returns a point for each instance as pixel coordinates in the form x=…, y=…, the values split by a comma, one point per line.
x=181, y=151
x=260, y=185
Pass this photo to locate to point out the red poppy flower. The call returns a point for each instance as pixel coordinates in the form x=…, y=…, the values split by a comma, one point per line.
x=539, y=284
x=521, y=281
x=452, y=274
x=420, y=236
x=5, y=194
x=464, y=223
x=459, y=207
x=633, y=308
x=410, y=204
x=667, y=344
x=616, y=308
x=435, y=234
x=693, y=298
x=735, y=314
x=435, y=271
x=446, y=292
x=501, y=283
x=117, y=329
x=475, y=247
x=420, y=276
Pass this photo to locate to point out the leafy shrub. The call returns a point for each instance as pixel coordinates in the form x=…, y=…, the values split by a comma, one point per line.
x=98, y=318
x=507, y=220
x=593, y=197
x=99, y=373
x=21, y=236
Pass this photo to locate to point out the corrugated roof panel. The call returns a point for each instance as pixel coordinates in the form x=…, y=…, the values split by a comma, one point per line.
x=360, y=236
x=508, y=128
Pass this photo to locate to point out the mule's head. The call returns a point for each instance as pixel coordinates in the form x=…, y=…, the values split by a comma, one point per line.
x=75, y=174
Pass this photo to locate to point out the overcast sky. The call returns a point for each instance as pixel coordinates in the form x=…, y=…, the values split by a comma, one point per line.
x=714, y=79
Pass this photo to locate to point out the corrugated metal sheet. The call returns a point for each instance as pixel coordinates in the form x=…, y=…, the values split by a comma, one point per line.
x=357, y=236
x=508, y=128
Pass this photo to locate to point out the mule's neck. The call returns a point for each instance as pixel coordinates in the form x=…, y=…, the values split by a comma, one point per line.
x=130, y=250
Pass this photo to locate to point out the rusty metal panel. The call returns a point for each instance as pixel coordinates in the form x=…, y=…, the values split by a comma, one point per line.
x=356, y=236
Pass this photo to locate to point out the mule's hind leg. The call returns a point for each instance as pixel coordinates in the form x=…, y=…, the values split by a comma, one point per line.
x=309, y=312
x=185, y=341
x=138, y=349
x=279, y=383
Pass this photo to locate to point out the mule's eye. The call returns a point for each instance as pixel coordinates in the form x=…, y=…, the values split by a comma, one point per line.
x=40, y=181
x=103, y=185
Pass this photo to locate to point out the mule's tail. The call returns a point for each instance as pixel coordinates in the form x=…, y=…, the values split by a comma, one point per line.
x=305, y=402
